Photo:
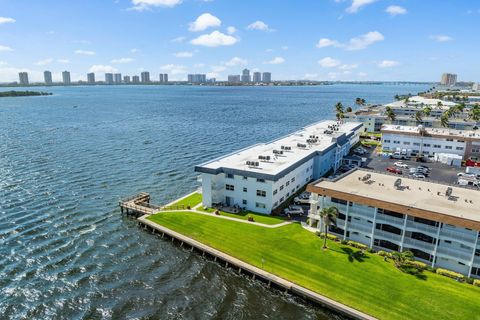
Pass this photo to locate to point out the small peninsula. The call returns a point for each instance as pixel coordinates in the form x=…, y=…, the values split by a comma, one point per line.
x=14, y=93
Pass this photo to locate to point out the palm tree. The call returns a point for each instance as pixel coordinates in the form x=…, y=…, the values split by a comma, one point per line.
x=400, y=258
x=339, y=107
x=418, y=116
x=427, y=110
x=360, y=101
x=460, y=107
x=390, y=114
x=444, y=120
x=329, y=217
x=474, y=113
x=439, y=104
x=349, y=109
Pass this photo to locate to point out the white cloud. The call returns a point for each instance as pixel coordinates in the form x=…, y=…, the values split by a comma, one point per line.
x=276, y=60
x=284, y=48
x=178, y=39
x=325, y=42
x=388, y=64
x=362, y=74
x=259, y=25
x=441, y=38
x=358, y=4
x=231, y=30
x=311, y=76
x=174, y=69
x=122, y=60
x=203, y=22
x=365, y=40
x=63, y=61
x=6, y=20
x=100, y=68
x=356, y=43
x=85, y=52
x=44, y=62
x=329, y=62
x=183, y=54
x=395, y=10
x=214, y=39
x=348, y=66
x=134, y=50
x=142, y=5
x=236, y=61
x=5, y=48
x=199, y=65
x=218, y=69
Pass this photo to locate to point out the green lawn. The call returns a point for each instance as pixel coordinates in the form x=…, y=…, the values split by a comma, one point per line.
x=368, y=284
x=257, y=217
x=192, y=200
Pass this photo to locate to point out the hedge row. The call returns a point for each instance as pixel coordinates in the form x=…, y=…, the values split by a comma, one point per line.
x=329, y=236
x=476, y=283
x=417, y=264
x=357, y=245
x=450, y=274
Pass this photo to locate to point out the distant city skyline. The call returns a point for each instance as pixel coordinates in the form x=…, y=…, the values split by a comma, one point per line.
x=346, y=40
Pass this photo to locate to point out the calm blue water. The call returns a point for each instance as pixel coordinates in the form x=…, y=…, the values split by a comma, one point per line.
x=65, y=160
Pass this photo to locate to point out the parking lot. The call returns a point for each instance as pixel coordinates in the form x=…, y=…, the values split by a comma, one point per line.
x=439, y=172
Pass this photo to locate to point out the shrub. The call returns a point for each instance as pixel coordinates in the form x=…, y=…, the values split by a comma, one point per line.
x=417, y=264
x=432, y=269
x=250, y=218
x=384, y=254
x=357, y=245
x=329, y=236
x=344, y=242
x=469, y=280
x=371, y=250
x=450, y=274
x=476, y=283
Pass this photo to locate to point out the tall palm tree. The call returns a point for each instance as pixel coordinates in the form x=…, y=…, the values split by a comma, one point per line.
x=439, y=104
x=339, y=107
x=460, y=107
x=329, y=217
x=349, y=109
x=474, y=113
x=418, y=116
x=360, y=101
x=390, y=114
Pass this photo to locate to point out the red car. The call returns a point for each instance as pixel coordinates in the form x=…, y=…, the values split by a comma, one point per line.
x=394, y=170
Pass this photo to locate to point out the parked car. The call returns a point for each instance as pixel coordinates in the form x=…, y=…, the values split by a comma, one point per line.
x=463, y=174
x=398, y=155
x=400, y=164
x=394, y=170
x=418, y=175
x=303, y=198
x=293, y=210
x=425, y=167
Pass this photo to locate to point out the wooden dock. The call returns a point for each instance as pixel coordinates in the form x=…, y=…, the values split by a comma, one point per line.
x=247, y=269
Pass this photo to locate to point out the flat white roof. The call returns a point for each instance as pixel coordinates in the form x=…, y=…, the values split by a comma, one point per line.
x=279, y=162
x=416, y=101
x=463, y=203
x=432, y=131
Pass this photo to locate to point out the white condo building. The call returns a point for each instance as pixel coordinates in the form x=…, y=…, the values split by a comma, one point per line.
x=261, y=177
x=431, y=141
x=438, y=223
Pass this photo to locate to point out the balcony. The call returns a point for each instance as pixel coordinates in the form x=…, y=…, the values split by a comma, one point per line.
x=364, y=212
x=360, y=227
x=341, y=207
x=458, y=235
x=390, y=220
x=476, y=261
x=421, y=227
x=385, y=235
x=418, y=244
x=457, y=254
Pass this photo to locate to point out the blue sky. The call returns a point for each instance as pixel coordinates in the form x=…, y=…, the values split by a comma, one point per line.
x=316, y=39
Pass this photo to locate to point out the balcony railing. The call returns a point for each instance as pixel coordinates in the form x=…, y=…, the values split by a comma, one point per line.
x=457, y=253
x=388, y=236
x=389, y=219
x=354, y=226
x=361, y=211
x=421, y=227
x=458, y=235
x=418, y=244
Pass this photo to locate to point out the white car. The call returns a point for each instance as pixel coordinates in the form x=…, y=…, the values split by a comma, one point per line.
x=418, y=175
x=401, y=164
x=463, y=174
x=294, y=210
x=304, y=198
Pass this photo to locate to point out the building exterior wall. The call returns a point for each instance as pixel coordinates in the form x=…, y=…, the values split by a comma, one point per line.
x=435, y=243
x=428, y=145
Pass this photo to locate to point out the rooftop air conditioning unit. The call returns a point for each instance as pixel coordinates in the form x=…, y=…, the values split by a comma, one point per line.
x=449, y=191
x=398, y=183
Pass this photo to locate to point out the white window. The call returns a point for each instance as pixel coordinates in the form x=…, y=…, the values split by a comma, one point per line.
x=281, y=187
x=459, y=148
x=230, y=187
x=244, y=189
x=287, y=183
x=448, y=147
x=229, y=176
x=275, y=192
x=260, y=205
x=260, y=180
x=244, y=201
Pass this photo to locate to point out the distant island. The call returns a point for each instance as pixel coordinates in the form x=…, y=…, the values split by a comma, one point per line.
x=13, y=93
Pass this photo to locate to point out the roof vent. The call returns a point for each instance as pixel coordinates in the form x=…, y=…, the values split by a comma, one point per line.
x=449, y=191
x=398, y=183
